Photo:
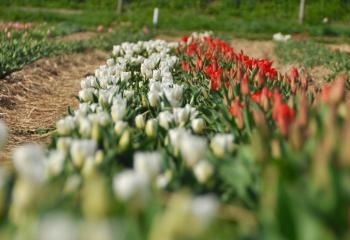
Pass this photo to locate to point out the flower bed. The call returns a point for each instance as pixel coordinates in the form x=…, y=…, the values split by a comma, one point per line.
x=187, y=140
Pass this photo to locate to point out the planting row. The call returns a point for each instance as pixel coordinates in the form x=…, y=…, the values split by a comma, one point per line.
x=187, y=140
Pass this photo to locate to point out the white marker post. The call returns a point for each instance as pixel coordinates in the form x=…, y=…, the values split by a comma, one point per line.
x=120, y=7
x=301, y=11
x=155, y=17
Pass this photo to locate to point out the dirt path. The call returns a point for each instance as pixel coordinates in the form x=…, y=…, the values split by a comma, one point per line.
x=34, y=98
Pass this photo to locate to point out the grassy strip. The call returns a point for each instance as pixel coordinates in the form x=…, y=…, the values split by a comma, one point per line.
x=252, y=9
x=24, y=48
x=181, y=20
x=311, y=54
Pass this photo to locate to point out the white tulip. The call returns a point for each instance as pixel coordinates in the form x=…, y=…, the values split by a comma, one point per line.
x=85, y=83
x=154, y=86
x=124, y=141
x=174, y=95
x=57, y=227
x=81, y=150
x=129, y=93
x=181, y=115
x=175, y=137
x=88, y=167
x=203, y=170
x=29, y=161
x=118, y=112
x=83, y=111
x=163, y=180
x=146, y=71
x=192, y=148
x=87, y=95
x=156, y=74
x=104, y=98
x=110, y=62
x=165, y=118
x=105, y=81
x=221, y=144
x=151, y=127
x=204, y=208
x=63, y=144
x=130, y=184
x=66, y=125
x=153, y=99
x=125, y=76
x=198, y=125
x=120, y=126
x=55, y=163
x=147, y=163
x=116, y=50
x=140, y=121
x=103, y=118
x=85, y=127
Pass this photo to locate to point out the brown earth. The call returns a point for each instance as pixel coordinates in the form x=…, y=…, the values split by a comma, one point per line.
x=34, y=98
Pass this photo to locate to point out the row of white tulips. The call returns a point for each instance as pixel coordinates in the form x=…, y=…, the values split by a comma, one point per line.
x=136, y=90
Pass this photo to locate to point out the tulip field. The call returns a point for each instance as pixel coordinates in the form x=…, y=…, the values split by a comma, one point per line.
x=187, y=140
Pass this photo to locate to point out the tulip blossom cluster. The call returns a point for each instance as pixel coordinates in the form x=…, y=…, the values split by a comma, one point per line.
x=183, y=140
x=245, y=81
x=8, y=26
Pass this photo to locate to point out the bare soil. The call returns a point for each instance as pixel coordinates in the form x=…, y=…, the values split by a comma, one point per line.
x=34, y=98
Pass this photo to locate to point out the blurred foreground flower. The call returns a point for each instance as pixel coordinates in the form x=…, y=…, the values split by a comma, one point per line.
x=3, y=134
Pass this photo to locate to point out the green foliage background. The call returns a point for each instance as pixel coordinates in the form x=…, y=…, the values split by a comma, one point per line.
x=315, y=9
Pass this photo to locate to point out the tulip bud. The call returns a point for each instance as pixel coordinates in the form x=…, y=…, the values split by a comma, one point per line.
x=203, y=170
x=99, y=157
x=85, y=128
x=124, y=140
x=96, y=131
x=151, y=127
x=153, y=99
x=245, y=85
x=118, y=112
x=120, y=126
x=81, y=150
x=63, y=144
x=89, y=167
x=198, y=125
x=140, y=121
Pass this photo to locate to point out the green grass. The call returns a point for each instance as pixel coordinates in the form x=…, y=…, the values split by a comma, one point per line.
x=180, y=20
x=248, y=9
x=311, y=54
x=24, y=48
